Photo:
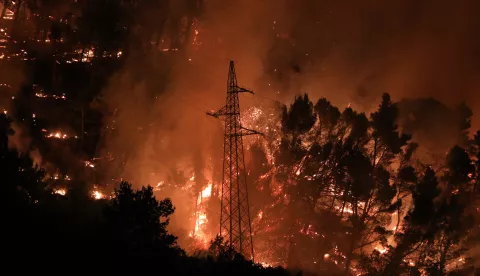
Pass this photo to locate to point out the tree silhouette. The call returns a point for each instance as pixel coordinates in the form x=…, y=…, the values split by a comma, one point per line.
x=138, y=221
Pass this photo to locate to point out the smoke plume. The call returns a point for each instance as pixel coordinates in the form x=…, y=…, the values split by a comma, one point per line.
x=347, y=51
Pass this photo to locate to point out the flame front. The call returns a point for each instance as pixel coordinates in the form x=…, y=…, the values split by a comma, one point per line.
x=200, y=234
x=98, y=195
x=60, y=192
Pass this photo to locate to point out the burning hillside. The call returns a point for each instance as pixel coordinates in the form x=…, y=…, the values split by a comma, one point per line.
x=103, y=92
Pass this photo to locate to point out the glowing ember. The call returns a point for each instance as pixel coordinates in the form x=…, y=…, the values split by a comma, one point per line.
x=8, y=15
x=57, y=135
x=159, y=186
x=60, y=192
x=98, y=195
x=88, y=55
x=89, y=164
x=381, y=250
x=62, y=97
x=266, y=265
x=41, y=95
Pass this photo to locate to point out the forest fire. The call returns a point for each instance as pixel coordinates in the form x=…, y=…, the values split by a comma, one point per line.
x=200, y=229
x=98, y=195
x=41, y=94
x=333, y=190
x=57, y=135
x=62, y=192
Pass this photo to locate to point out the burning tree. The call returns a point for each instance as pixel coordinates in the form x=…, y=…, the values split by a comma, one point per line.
x=340, y=189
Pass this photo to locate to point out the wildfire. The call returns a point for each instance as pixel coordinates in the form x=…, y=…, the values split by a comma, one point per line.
x=40, y=95
x=200, y=233
x=60, y=192
x=260, y=214
x=8, y=15
x=207, y=192
x=381, y=250
x=57, y=135
x=88, y=55
x=159, y=186
x=196, y=32
x=266, y=265
x=89, y=164
x=98, y=195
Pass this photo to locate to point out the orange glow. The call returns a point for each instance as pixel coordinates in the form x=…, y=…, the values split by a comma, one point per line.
x=260, y=214
x=57, y=135
x=264, y=264
x=60, y=192
x=207, y=192
x=98, y=195
x=40, y=95
x=200, y=231
x=381, y=250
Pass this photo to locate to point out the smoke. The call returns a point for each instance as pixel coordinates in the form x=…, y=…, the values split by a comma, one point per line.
x=12, y=76
x=347, y=51
x=357, y=50
x=160, y=102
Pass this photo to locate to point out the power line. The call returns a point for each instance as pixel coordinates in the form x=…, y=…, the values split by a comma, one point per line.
x=191, y=104
x=265, y=97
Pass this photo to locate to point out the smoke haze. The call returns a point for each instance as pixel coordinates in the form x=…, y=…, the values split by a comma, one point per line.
x=347, y=51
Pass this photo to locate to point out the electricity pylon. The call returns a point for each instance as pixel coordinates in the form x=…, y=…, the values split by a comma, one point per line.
x=235, y=225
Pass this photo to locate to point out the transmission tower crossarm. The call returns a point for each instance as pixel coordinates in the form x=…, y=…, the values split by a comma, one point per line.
x=218, y=113
x=246, y=131
x=239, y=89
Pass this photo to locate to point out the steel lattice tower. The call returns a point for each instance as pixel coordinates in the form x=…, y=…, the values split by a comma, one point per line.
x=235, y=225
